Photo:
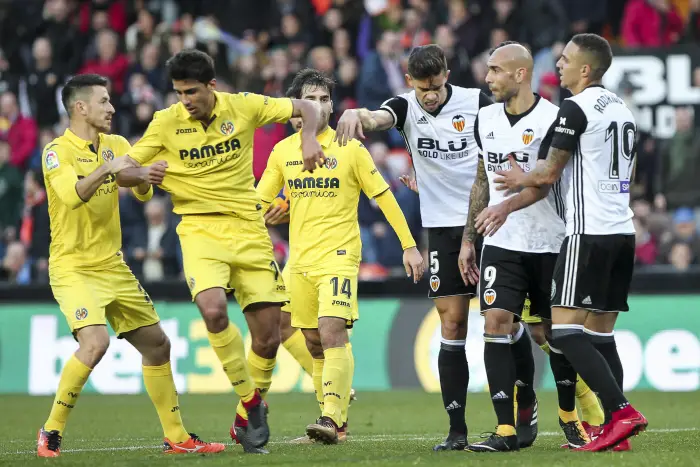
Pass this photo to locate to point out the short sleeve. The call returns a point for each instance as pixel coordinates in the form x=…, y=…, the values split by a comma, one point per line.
x=272, y=179
x=546, y=142
x=150, y=143
x=268, y=109
x=477, y=137
x=398, y=108
x=570, y=124
x=60, y=175
x=371, y=180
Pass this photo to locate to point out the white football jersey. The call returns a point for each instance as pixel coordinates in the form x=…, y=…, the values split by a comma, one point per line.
x=443, y=150
x=600, y=130
x=538, y=228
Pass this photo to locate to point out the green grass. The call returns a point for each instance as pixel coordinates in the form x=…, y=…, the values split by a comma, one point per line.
x=390, y=428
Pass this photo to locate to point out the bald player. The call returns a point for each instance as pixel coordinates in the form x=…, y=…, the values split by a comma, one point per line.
x=519, y=252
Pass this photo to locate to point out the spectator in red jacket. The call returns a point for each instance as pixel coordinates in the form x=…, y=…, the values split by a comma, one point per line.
x=109, y=61
x=20, y=132
x=651, y=23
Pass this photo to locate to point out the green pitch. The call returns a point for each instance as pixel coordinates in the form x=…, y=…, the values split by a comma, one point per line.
x=389, y=428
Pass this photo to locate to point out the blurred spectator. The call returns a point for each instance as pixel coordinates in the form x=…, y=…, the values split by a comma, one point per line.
x=469, y=29
x=692, y=31
x=66, y=42
x=109, y=62
x=11, y=196
x=684, y=231
x=19, y=131
x=142, y=32
x=681, y=256
x=681, y=162
x=414, y=33
x=43, y=85
x=381, y=76
x=113, y=11
x=651, y=23
x=14, y=267
x=156, y=257
x=35, y=230
x=585, y=16
x=645, y=250
x=148, y=65
x=457, y=57
x=322, y=59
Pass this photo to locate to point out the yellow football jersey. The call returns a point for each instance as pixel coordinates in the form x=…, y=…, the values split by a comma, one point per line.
x=83, y=234
x=210, y=170
x=324, y=229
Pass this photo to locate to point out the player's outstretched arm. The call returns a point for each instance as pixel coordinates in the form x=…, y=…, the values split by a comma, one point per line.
x=311, y=151
x=86, y=187
x=412, y=259
x=354, y=122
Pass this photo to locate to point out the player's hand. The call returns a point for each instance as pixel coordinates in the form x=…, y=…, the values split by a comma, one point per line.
x=349, y=127
x=510, y=180
x=276, y=215
x=467, y=264
x=118, y=164
x=413, y=262
x=410, y=182
x=312, y=153
x=491, y=219
x=155, y=172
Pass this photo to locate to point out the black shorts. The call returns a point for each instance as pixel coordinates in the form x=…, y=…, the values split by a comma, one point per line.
x=594, y=272
x=444, y=244
x=508, y=277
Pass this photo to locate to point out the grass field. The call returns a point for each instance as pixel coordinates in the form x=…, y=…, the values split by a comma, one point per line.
x=396, y=428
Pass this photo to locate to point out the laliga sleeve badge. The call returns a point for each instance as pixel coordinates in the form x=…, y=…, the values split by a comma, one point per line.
x=489, y=296
x=434, y=283
x=51, y=160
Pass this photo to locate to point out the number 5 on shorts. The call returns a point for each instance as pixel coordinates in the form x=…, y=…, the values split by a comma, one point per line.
x=434, y=263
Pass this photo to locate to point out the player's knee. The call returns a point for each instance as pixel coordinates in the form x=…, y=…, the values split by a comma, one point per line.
x=266, y=344
x=93, y=349
x=453, y=325
x=313, y=343
x=161, y=350
x=214, y=314
x=498, y=322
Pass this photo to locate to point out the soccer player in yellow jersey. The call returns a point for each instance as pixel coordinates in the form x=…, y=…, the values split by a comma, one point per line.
x=207, y=141
x=89, y=278
x=325, y=247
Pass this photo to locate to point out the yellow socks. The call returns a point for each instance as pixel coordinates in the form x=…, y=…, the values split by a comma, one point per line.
x=346, y=400
x=545, y=347
x=591, y=411
x=567, y=417
x=505, y=430
x=317, y=376
x=160, y=386
x=336, y=373
x=296, y=346
x=261, y=370
x=73, y=377
x=228, y=346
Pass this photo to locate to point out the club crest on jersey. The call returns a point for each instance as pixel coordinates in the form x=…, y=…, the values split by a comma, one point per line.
x=528, y=136
x=107, y=155
x=227, y=128
x=81, y=314
x=489, y=296
x=434, y=283
x=458, y=122
x=331, y=163
x=51, y=160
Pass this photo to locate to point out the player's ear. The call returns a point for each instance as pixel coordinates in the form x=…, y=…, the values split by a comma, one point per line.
x=447, y=75
x=409, y=80
x=331, y=102
x=211, y=85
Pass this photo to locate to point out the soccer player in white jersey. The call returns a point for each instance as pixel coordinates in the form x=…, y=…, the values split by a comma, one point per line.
x=518, y=255
x=593, y=152
x=437, y=121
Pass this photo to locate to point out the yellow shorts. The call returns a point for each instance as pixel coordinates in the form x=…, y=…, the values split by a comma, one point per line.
x=314, y=295
x=235, y=254
x=86, y=298
x=286, y=272
x=526, y=317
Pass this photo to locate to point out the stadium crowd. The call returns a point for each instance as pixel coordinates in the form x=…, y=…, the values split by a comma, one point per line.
x=363, y=45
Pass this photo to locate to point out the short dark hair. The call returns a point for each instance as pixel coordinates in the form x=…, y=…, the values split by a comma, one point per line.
x=426, y=61
x=191, y=64
x=598, y=50
x=310, y=77
x=77, y=84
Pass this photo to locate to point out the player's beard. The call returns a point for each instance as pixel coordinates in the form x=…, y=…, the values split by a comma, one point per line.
x=507, y=95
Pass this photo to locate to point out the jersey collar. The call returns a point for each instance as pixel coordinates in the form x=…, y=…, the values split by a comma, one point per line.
x=80, y=142
x=325, y=139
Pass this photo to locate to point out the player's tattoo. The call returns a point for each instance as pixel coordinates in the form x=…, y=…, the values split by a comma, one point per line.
x=551, y=170
x=478, y=201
